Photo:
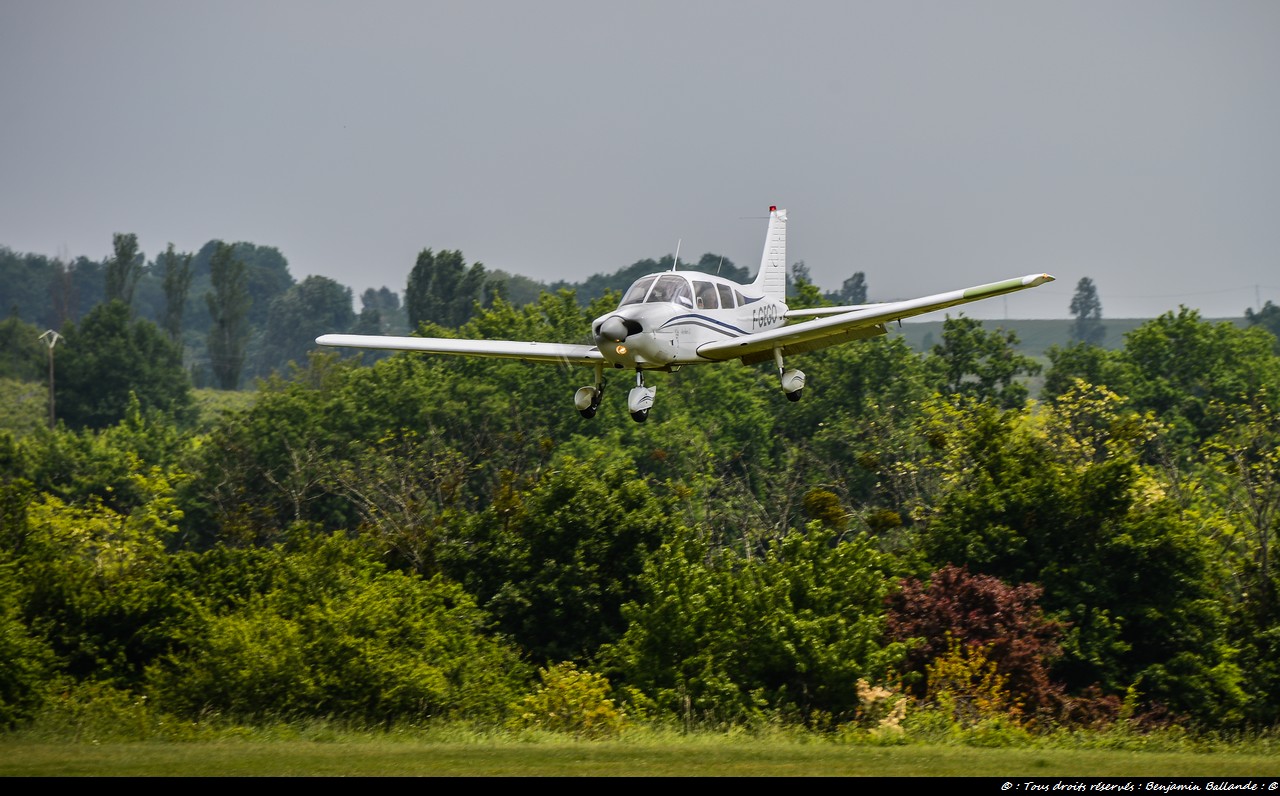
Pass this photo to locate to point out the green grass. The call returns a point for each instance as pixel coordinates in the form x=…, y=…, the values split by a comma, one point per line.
x=718, y=756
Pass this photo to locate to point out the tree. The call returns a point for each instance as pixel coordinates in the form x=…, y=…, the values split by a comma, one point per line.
x=555, y=562
x=1178, y=364
x=22, y=355
x=106, y=358
x=380, y=312
x=980, y=610
x=123, y=270
x=717, y=638
x=801, y=291
x=176, y=273
x=1268, y=318
x=315, y=306
x=854, y=289
x=981, y=365
x=1060, y=499
x=1087, y=309
x=442, y=289
x=228, y=303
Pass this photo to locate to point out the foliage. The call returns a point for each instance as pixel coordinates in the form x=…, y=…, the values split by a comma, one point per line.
x=718, y=639
x=23, y=355
x=569, y=701
x=106, y=359
x=555, y=560
x=28, y=667
x=978, y=611
x=175, y=270
x=1041, y=502
x=980, y=365
x=327, y=631
x=442, y=289
x=1269, y=318
x=229, y=302
x=317, y=305
x=1086, y=308
x=1177, y=365
x=123, y=270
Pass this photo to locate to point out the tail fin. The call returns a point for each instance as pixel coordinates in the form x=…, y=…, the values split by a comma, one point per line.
x=772, y=277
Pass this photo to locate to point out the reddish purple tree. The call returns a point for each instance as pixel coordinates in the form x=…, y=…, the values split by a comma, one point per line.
x=981, y=610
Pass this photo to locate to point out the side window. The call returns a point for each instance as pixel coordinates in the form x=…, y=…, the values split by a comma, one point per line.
x=726, y=296
x=705, y=292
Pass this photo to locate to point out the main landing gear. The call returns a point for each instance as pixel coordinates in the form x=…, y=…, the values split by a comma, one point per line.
x=792, y=379
x=587, y=399
x=639, y=400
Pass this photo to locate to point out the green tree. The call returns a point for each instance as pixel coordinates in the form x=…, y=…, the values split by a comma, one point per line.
x=984, y=366
x=1237, y=494
x=1086, y=307
x=124, y=269
x=176, y=272
x=1061, y=500
x=1178, y=364
x=1078, y=360
x=716, y=639
x=321, y=629
x=229, y=303
x=1268, y=318
x=108, y=357
x=442, y=289
x=317, y=305
x=556, y=561
x=854, y=289
x=22, y=355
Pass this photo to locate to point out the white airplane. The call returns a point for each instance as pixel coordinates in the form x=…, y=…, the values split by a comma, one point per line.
x=676, y=318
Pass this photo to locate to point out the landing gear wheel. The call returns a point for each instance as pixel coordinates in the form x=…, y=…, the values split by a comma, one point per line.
x=587, y=399
x=793, y=396
x=640, y=416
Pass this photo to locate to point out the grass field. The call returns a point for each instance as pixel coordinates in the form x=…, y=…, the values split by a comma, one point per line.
x=707, y=757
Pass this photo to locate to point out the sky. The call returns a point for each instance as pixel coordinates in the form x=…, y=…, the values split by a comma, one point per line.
x=931, y=145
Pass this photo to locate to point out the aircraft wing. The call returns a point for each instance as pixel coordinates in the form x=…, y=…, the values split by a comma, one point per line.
x=501, y=349
x=853, y=324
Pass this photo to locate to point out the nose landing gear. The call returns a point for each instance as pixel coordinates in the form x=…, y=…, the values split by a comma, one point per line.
x=640, y=399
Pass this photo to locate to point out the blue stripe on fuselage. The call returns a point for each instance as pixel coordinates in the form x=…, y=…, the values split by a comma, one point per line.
x=704, y=321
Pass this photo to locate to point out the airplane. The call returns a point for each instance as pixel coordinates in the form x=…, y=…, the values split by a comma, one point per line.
x=675, y=318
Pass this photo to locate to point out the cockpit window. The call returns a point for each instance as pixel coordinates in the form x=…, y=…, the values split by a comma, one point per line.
x=671, y=288
x=635, y=293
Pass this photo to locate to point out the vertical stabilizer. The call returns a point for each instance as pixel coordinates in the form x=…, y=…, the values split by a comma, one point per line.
x=772, y=277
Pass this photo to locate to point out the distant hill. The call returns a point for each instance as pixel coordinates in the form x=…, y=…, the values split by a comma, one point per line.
x=1034, y=336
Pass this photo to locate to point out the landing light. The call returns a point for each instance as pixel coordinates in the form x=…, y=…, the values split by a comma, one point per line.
x=621, y=350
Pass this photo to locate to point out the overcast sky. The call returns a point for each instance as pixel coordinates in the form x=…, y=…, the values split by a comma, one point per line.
x=930, y=145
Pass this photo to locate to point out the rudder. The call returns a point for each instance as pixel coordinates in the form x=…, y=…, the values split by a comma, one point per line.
x=772, y=277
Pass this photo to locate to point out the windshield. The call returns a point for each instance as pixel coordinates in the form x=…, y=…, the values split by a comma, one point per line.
x=635, y=293
x=672, y=288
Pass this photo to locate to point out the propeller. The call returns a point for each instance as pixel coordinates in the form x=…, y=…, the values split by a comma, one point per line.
x=616, y=328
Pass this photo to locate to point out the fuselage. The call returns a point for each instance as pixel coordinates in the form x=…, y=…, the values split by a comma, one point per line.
x=664, y=318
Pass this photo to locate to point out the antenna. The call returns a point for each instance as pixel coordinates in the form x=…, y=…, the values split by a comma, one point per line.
x=719, y=264
x=676, y=261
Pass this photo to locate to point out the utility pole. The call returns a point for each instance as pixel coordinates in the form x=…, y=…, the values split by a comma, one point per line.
x=51, y=339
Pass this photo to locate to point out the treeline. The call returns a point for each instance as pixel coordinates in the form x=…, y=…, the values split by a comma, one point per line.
x=919, y=544
x=238, y=315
